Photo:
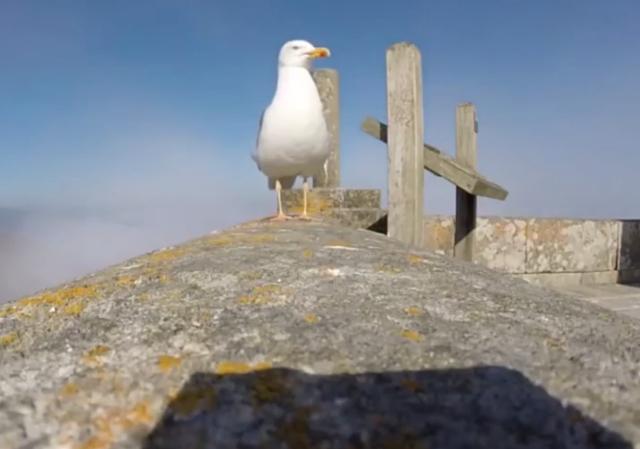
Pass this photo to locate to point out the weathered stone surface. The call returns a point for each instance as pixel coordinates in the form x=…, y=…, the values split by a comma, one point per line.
x=555, y=245
x=438, y=234
x=630, y=245
x=501, y=244
x=301, y=335
x=354, y=218
x=560, y=280
x=322, y=200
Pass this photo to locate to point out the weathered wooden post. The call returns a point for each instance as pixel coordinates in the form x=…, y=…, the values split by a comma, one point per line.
x=405, y=143
x=466, y=204
x=327, y=81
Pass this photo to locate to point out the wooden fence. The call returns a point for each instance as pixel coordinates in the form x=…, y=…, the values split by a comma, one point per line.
x=409, y=156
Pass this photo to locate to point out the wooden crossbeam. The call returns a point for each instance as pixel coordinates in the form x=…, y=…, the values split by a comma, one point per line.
x=440, y=164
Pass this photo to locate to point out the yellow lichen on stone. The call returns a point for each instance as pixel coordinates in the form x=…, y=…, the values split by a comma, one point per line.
x=69, y=389
x=8, y=310
x=307, y=254
x=167, y=363
x=125, y=281
x=412, y=335
x=166, y=255
x=239, y=239
x=230, y=367
x=311, y=318
x=8, y=339
x=414, y=260
x=92, y=356
x=154, y=274
x=74, y=309
x=261, y=294
x=109, y=425
x=95, y=442
x=59, y=300
x=414, y=311
x=139, y=414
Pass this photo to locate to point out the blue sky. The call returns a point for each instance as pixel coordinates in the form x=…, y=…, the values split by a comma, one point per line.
x=144, y=113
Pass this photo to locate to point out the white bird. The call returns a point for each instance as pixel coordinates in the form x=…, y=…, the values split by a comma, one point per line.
x=292, y=138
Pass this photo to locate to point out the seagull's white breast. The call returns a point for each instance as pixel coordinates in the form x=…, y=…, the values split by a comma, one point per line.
x=293, y=138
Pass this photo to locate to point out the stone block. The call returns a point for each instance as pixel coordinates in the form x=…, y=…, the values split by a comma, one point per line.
x=562, y=280
x=438, y=234
x=322, y=200
x=359, y=218
x=561, y=245
x=500, y=244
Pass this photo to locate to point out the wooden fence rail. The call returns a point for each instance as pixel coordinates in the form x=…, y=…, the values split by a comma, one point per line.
x=408, y=156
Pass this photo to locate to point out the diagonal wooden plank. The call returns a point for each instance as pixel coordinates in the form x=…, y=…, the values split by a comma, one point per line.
x=441, y=164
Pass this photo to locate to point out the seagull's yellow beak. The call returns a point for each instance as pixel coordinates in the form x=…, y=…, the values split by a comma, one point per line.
x=320, y=52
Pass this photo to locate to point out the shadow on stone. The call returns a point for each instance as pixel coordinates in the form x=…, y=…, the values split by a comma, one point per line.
x=481, y=407
x=380, y=226
x=629, y=253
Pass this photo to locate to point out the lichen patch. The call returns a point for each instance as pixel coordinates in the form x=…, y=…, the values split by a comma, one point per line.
x=412, y=335
x=238, y=239
x=166, y=255
x=67, y=301
x=311, y=318
x=93, y=357
x=414, y=311
x=108, y=426
x=8, y=339
x=263, y=294
x=230, y=367
x=167, y=363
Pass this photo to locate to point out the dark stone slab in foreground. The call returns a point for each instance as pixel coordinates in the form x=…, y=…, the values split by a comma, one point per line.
x=306, y=335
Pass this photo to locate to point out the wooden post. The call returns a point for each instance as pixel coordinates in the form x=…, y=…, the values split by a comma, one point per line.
x=466, y=204
x=405, y=144
x=328, y=85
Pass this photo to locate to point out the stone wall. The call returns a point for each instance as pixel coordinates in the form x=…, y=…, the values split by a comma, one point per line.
x=549, y=250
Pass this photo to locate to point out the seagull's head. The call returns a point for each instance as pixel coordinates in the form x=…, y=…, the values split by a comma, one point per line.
x=299, y=53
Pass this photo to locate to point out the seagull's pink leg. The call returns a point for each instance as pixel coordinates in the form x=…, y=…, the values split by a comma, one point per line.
x=305, y=191
x=281, y=215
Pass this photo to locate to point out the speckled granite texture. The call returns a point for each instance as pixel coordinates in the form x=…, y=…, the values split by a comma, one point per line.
x=307, y=335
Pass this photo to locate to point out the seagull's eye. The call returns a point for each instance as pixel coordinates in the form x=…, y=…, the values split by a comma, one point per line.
x=296, y=47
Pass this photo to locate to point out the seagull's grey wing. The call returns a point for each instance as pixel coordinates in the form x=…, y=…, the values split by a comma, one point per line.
x=254, y=156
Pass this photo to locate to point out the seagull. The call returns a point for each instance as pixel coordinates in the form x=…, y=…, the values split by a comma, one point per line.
x=292, y=134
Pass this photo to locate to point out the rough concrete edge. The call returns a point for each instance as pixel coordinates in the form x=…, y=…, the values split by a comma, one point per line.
x=565, y=279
